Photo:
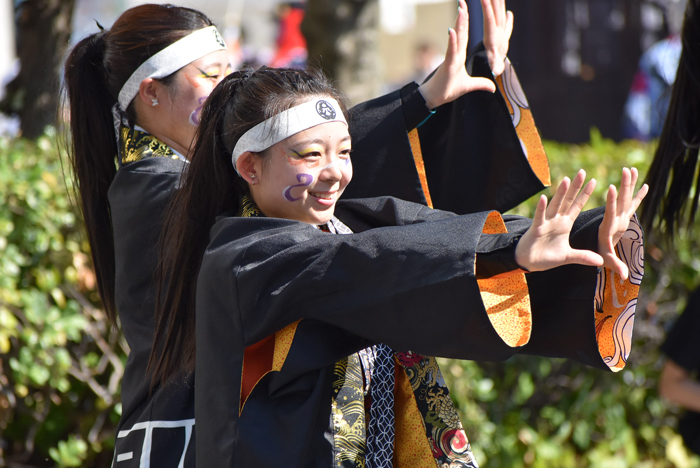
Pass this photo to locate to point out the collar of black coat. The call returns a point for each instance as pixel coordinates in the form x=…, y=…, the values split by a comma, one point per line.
x=250, y=210
x=138, y=145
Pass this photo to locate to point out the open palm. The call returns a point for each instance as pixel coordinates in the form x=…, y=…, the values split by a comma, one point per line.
x=546, y=244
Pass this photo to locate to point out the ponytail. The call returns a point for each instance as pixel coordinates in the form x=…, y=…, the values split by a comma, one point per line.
x=676, y=157
x=209, y=187
x=93, y=149
x=95, y=72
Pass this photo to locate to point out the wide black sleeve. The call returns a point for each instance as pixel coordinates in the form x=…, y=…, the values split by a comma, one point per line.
x=383, y=163
x=411, y=286
x=480, y=152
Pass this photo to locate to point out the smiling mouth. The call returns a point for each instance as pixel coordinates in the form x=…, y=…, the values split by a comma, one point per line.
x=322, y=195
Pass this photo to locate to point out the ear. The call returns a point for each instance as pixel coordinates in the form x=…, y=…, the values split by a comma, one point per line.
x=248, y=166
x=149, y=90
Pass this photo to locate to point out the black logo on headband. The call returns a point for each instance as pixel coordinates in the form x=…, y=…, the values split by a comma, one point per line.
x=219, y=39
x=325, y=110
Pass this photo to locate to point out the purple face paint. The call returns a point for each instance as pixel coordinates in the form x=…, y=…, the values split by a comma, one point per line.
x=304, y=179
x=194, y=116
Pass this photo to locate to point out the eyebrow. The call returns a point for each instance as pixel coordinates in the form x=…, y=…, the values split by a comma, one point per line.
x=320, y=142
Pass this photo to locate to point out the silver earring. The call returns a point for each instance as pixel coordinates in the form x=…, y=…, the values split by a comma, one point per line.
x=252, y=176
x=154, y=102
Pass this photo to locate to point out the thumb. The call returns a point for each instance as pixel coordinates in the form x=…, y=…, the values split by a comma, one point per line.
x=617, y=265
x=584, y=257
x=481, y=84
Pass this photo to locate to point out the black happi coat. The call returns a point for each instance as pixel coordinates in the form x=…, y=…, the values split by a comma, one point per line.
x=157, y=427
x=409, y=283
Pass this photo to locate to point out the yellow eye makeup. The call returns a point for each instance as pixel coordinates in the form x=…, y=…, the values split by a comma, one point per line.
x=301, y=157
x=209, y=73
x=305, y=152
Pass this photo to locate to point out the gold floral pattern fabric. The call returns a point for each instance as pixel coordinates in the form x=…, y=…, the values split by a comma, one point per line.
x=140, y=145
x=448, y=441
x=348, y=413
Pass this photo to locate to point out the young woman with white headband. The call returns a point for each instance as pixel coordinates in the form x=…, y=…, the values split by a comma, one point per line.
x=296, y=289
x=134, y=95
x=135, y=92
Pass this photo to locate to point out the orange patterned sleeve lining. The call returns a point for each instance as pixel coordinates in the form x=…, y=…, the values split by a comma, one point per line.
x=616, y=300
x=264, y=357
x=414, y=140
x=506, y=296
x=524, y=123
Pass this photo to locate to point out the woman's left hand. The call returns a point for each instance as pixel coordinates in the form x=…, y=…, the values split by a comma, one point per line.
x=619, y=209
x=498, y=26
x=451, y=79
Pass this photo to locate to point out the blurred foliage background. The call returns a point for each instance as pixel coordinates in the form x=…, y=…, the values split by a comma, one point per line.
x=61, y=362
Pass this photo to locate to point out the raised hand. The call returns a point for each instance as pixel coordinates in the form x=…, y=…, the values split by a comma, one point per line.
x=498, y=26
x=451, y=79
x=546, y=244
x=619, y=209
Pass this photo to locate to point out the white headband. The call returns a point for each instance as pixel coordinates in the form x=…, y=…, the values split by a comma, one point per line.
x=171, y=59
x=285, y=124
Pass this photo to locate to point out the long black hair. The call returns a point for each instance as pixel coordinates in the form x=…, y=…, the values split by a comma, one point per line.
x=209, y=187
x=672, y=206
x=95, y=71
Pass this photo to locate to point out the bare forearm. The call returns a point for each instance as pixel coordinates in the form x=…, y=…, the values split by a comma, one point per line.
x=677, y=386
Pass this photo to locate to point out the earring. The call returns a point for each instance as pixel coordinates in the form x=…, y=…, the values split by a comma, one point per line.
x=154, y=102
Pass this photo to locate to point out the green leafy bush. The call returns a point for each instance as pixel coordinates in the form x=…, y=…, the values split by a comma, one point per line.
x=61, y=361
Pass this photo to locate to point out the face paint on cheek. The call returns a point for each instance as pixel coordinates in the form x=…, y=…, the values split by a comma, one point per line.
x=304, y=181
x=342, y=164
x=194, y=81
x=194, y=116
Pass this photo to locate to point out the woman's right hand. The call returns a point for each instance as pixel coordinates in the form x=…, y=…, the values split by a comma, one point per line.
x=545, y=244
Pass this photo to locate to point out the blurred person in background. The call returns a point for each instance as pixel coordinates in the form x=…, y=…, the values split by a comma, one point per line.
x=647, y=103
x=671, y=206
x=135, y=92
x=648, y=100
x=291, y=45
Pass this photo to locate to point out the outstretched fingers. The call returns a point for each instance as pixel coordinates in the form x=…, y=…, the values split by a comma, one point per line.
x=569, y=200
x=624, y=198
x=540, y=211
x=462, y=29
x=619, y=208
x=637, y=200
x=581, y=199
x=558, y=198
x=498, y=27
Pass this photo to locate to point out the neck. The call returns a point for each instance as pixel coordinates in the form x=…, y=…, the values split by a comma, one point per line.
x=184, y=151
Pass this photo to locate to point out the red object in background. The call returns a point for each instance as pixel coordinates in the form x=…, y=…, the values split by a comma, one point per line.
x=291, y=45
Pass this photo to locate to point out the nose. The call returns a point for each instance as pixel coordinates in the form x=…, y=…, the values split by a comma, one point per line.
x=333, y=170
